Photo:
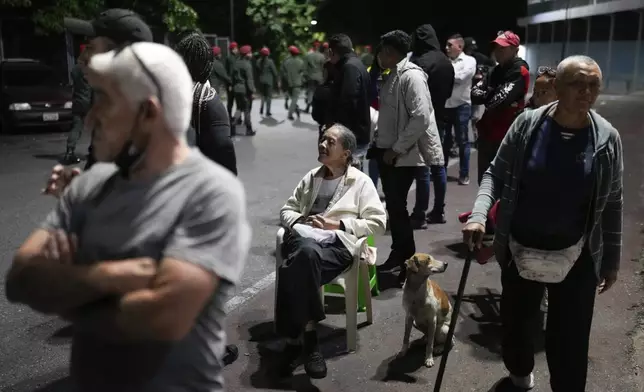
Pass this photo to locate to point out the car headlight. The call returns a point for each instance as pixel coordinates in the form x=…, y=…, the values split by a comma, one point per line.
x=19, y=106
x=68, y=105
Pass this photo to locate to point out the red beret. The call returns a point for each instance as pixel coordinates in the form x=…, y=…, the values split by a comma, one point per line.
x=82, y=47
x=294, y=49
x=216, y=50
x=246, y=49
x=264, y=51
x=232, y=45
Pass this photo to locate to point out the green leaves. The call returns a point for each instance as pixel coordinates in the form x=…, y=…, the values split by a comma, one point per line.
x=283, y=22
x=48, y=14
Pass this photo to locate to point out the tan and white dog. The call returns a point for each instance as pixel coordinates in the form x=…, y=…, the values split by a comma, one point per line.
x=426, y=305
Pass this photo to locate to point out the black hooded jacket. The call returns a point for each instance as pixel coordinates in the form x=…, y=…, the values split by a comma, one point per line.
x=427, y=54
x=349, y=104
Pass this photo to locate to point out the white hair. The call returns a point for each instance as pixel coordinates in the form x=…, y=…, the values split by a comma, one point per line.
x=576, y=59
x=145, y=69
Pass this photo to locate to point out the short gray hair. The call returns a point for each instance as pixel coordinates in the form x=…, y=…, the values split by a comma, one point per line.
x=347, y=139
x=172, y=83
x=576, y=59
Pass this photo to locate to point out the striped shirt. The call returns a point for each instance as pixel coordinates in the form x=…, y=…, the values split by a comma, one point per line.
x=501, y=182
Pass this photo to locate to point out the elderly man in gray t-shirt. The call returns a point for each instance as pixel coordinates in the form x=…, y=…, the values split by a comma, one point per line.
x=140, y=254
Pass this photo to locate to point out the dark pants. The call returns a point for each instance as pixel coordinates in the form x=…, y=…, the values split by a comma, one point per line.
x=230, y=101
x=458, y=119
x=373, y=172
x=75, y=133
x=244, y=104
x=90, y=157
x=424, y=176
x=266, y=91
x=396, y=182
x=307, y=266
x=570, y=315
x=294, y=94
x=486, y=152
x=311, y=86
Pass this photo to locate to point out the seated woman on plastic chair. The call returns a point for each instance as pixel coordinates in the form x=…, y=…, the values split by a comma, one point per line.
x=332, y=207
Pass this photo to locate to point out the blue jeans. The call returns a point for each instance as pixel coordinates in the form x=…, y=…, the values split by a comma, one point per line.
x=424, y=175
x=458, y=119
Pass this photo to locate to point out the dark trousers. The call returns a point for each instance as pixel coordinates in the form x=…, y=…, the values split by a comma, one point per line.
x=396, y=182
x=570, y=315
x=266, y=91
x=230, y=101
x=75, y=133
x=458, y=119
x=311, y=86
x=90, y=158
x=486, y=152
x=424, y=176
x=307, y=266
x=244, y=104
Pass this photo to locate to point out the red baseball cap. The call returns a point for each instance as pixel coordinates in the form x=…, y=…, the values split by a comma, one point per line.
x=232, y=45
x=507, y=38
x=246, y=49
x=216, y=50
x=264, y=51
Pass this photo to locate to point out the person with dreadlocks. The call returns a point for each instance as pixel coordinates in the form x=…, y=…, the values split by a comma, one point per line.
x=210, y=120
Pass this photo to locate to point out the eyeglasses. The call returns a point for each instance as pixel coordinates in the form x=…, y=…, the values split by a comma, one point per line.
x=547, y=71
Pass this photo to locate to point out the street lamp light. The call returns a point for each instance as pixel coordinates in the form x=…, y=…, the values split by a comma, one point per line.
x=314, y=22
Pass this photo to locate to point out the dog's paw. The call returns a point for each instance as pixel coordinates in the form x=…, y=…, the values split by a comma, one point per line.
x=429, y=362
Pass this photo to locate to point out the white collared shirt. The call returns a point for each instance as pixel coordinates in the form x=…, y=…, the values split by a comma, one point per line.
x=464, y=70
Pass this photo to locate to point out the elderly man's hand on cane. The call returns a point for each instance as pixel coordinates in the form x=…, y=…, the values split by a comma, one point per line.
x=473, y=235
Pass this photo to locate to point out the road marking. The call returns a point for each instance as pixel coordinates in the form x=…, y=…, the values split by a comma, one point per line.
x=248, y=294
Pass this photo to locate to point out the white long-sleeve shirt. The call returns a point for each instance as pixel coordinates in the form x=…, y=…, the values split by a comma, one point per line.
x=464, y=70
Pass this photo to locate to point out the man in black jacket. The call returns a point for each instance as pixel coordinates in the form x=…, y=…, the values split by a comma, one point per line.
x=349, y=104
x=427, y=54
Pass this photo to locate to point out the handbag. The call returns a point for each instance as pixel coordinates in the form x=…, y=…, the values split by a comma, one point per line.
x=545, y=266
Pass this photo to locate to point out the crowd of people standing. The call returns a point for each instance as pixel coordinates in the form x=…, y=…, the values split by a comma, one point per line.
x=144, y=247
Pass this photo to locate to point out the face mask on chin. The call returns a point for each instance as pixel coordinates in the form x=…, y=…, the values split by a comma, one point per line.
x=130, y=154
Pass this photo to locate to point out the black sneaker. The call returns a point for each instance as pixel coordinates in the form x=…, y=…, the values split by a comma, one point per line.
x=392, y=264
x=231, y=355
x=436, y=218
x=289, y=360
x=417, y=223
x=251, y=132
x=315, y=365
x=70, y=159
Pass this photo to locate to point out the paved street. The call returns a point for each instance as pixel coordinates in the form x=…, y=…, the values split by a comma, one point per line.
x=34, y=349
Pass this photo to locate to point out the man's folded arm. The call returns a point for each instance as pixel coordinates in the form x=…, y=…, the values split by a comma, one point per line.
x=50, y=287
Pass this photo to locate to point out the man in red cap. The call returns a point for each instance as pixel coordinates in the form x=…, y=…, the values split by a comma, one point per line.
x=244, y=87
x=292, y=74
x=367, y=56
x=503, y=93
x=268, y=78
x=231, y=59
x=219, y=79
x=313, y=72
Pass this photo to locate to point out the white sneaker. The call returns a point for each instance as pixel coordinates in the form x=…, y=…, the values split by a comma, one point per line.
x=526, y=382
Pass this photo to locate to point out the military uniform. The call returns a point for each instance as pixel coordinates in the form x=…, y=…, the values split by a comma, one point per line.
x=292, y=73
x=314, y=75
x=81, y=103
x=267, y=76
x=229, y=63
x=243, y=87
x=220, y=78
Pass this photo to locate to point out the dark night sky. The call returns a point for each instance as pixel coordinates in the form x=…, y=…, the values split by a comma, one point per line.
x=366, y=20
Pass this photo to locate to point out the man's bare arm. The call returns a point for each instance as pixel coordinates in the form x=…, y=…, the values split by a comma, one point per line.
x=58, y=288
x=164, y=312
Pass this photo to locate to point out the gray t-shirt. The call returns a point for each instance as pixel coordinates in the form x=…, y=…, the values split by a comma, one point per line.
x=195, y=212
x=325, y=194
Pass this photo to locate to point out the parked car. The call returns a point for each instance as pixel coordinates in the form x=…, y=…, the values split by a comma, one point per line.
x=32, y=95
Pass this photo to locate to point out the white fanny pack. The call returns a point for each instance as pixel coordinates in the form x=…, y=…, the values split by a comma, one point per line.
x=546, y=266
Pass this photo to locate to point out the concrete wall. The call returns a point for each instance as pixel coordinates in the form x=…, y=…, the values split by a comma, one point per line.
x=618, y=77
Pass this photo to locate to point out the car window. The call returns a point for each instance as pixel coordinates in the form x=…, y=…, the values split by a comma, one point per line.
x=29, y=76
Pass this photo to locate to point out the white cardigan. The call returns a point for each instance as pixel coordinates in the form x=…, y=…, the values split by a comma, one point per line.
x=355, y=203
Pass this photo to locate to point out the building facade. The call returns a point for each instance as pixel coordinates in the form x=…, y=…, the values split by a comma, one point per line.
x=609, y=31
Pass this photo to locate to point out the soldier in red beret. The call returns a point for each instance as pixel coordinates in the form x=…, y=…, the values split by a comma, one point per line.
x=243, y=81
x=219, y=79
x=292, y=74
x=268, y=79
x=231, y=59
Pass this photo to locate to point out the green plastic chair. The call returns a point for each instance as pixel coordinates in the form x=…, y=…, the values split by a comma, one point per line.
x=336, y=290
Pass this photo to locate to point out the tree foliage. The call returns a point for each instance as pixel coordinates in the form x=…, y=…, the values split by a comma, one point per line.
x=281, y=23
x=48, y=14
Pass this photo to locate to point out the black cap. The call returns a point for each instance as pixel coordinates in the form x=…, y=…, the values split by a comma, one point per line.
x=119, y=25
x=470, y=43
